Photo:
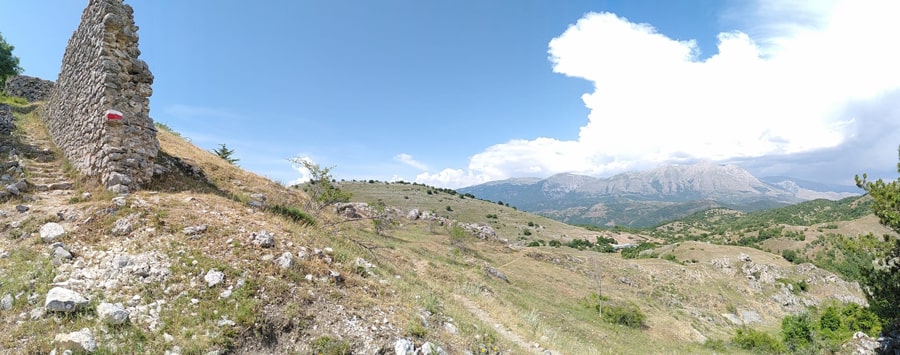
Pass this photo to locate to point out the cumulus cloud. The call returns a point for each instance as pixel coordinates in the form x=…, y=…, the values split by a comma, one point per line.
x=802, y=78
x=305, y=174
x=409, y=160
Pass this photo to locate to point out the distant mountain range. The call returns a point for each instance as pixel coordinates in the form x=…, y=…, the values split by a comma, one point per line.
x=647, y=198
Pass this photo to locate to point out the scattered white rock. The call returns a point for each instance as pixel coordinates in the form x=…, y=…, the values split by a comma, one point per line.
x=6, y=302
x=194, y=230
x=404, y=346
x=226, y=323
x=430, y=349
x=51, y=231
x=112, y=313
x=64, y=300
x=119, y=201
x=214, y=277
x=285, y=261
x=450, y=328
x=82, y=340
x=262, y=239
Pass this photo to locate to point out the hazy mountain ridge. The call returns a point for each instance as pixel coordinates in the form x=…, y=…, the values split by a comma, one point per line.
x=652, y=196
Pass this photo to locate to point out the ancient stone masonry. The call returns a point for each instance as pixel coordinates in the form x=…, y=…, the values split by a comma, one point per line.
x=31, y=88
x=100, y=72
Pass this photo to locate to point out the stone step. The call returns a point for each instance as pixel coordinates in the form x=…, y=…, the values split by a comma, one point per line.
x=63, y=185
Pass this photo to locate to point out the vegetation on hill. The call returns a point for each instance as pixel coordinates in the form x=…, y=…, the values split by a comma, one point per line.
x=883, y=279
x=9, y=63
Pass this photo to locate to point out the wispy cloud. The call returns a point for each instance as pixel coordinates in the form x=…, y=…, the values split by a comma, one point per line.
x=409, y=160
x=805, y=79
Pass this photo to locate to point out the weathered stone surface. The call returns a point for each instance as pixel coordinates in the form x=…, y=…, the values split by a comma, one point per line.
x=64, y=300
x=31, y=88
x=101, y=71
x=6, y=302
x=263, y=239
x=404, y=346
x=285, y=261
x=7, y=121
x=51, y=231
x=194, y=230
x=112, y=313
x=214, y=277
x=82, y=340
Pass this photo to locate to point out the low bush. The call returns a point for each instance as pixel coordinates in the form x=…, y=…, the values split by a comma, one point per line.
x=754, y=340
x=294, y=214
x=628, y=315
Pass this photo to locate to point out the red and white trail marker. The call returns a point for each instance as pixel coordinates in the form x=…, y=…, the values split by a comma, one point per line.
x=113, y=115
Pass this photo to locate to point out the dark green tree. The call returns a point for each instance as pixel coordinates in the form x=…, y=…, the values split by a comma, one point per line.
x=9, y=64
x=225, y=153
x=883, y=278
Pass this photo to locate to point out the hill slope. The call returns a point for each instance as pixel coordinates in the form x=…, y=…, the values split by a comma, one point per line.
x=202, y=262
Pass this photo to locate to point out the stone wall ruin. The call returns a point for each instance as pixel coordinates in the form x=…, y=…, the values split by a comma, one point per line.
x=101, y=71
x=31, y=88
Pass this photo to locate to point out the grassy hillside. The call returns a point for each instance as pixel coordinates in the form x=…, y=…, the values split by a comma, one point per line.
x=333, y=284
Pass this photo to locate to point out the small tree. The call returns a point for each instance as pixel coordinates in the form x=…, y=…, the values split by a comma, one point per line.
x=9, y=64
x=883, y=278
x=225, y=153
x=381, y=218
x=321, y=187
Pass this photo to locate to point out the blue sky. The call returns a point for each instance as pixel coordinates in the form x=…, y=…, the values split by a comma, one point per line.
x=454, y=93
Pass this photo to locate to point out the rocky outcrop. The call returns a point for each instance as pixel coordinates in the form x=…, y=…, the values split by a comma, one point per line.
x=31, y=88
x=7, y=121
x=101, y=71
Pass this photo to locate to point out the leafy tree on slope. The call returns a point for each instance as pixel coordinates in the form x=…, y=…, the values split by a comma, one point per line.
x=9, y=64
x=883, y=278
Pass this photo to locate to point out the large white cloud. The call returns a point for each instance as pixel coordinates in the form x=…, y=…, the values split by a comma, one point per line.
x=784, y=91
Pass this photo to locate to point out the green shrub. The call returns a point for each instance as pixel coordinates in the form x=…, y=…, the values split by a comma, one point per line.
x=294, y=214
x=628, y=315
x=534, y=243
x=796, y=332
x=526, y=231
x=555, y=243
x=751, y=339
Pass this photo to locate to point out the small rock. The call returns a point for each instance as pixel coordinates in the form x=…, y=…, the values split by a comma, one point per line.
x=60, y=252
x=112, y=313
x=262, y=239
x=22, y=208
x=744, y=257
x=496, y=273
x=6, y=302
x=430, y=349
x=225, y=293
x=214, y=277
x=404, y=346
x=86, y=195
x=13, y=189
x=81, y=340
x=64, y=300
x=285, y=261
x=51, y=231
x=450, y=328
x=194, y=230
x=226, y=322
x=36, y=313
x=119, y=189
x=119, y=201
x=122, y=226
x=328, y=251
